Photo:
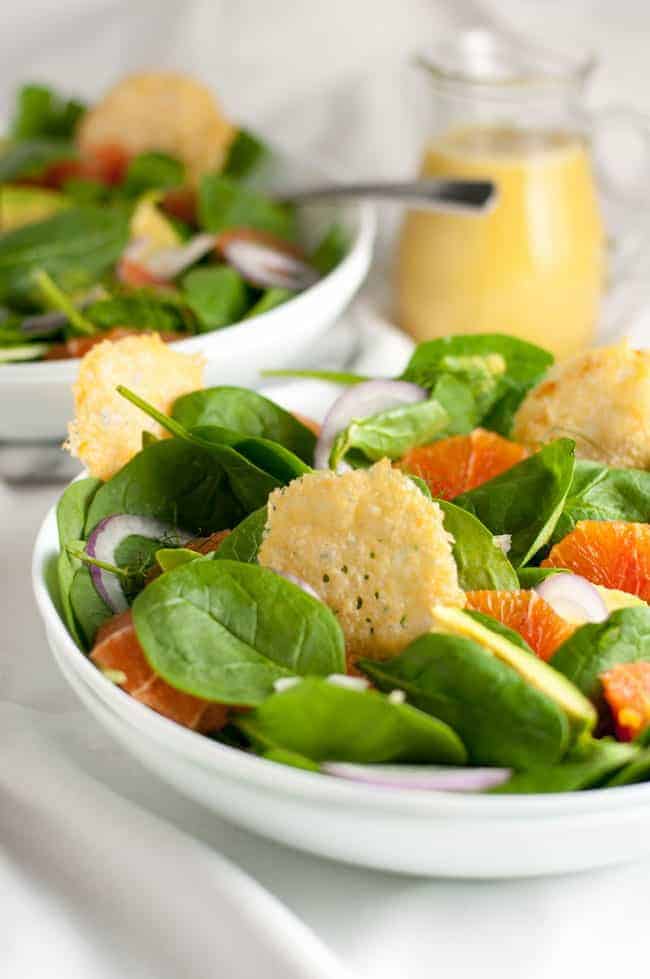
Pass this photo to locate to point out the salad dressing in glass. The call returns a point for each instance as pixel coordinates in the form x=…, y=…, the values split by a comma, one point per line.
x=532, y=267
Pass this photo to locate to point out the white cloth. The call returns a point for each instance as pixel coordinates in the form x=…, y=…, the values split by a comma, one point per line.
x=105, y=872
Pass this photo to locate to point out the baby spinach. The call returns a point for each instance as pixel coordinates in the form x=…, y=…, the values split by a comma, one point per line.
x=88, y=608
x=244, y=542
x=74, y=247
x=599, y=492
x=326, y=722
x=139, y=309
x=27, y=159
x=71, y=518
x=216, y=294
x=226, y=631
x=390, y=433
x=598, y=646
x=480, y=562
x=269, y=299
x=245, y=154
x=249, y=484
x=497, y=397
x=330, y=250
x=588, y=766
x=247, y=413
x=152, y=171
x=41, y=113
x=501, y=718
x=526, y=500
x=637, y=770
x=530, y=577
x=225, y=203
x=168, y=558
x=172, y=480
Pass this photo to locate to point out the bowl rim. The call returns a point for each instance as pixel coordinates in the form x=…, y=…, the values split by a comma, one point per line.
x=359, y=251
x=310, y=787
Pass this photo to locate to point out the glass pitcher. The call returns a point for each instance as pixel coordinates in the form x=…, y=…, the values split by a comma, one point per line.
x=534, y=265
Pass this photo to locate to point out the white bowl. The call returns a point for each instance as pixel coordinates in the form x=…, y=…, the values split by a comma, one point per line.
x=437, y=834
x=36, y=399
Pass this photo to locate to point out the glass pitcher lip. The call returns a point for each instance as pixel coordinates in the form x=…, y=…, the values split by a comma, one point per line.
x=500, y=63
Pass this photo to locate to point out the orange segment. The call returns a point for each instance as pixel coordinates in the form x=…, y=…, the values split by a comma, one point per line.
x=612, y=553
x=528, y=614
x=627, y=691
x=455, y=465
x=117, y=649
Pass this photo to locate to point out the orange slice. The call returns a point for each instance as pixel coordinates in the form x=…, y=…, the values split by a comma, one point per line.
x=455, y=465
x=611, y=553
x=528, y=614
x=627, y=691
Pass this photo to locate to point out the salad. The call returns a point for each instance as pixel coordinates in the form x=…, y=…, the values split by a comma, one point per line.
x=143, y=212
x=443, y=587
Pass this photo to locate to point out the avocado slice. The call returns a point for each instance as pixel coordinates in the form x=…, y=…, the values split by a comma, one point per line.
x=579, y=710
x=27, y=205
x=149, y=223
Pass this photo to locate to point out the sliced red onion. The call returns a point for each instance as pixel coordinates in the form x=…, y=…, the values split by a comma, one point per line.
x=106, y=538
x=424, y=777
x=573, y=597
x=362, y=401
x=267, y=267
x=167, y=263
x=295, y=580
x=503, y=542
x=164, y=264
x=43, y=324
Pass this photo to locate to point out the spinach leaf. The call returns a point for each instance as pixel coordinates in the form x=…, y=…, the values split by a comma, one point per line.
x=88, y=608
x=247, y=413
x=637, y=770
x=273, y=458
x=168, y=558
x=526, y=500
x=269, y=299
x=598, y=646
x=152, y=171
x=480, y=562
x=325, y=722
x=32, y=157
x=70, y=519
x=246, y=153
x=244, y=542
x=530, y=577
x=584, y=769
x=216, y=294
x=458, y=401
x=331, y=250
x=74, y=247
x=172, y=480
x=600, y=493
x=42, y=114
x=226, y=631
x=224, y=203
x=391, y=433
x=139, y=309
x=292, y=758
x=502, y=719
x=525, y=364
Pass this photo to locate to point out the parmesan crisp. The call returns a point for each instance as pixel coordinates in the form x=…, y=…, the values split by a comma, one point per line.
x=372, y=546
x=107, y=429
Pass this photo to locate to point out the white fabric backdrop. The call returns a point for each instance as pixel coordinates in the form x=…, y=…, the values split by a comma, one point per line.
x=91, y=885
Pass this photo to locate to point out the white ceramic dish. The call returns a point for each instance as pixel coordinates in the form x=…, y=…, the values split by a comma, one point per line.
x=36, y=399
x=436, y=834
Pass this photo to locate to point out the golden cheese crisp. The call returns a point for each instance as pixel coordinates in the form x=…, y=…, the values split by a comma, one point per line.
x=107, y=429
x=374, y=549
x=600, y=398
x=162, y=111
